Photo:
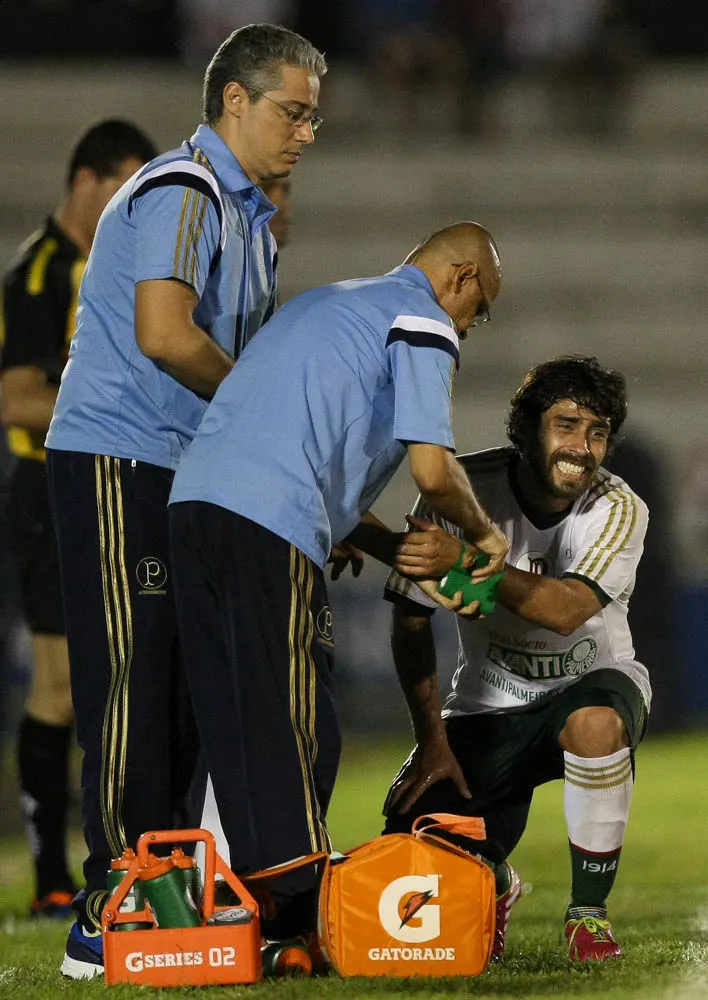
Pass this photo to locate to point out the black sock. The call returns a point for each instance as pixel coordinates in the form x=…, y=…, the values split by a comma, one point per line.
x=502, y=877
x=43, y=760
x=593, y=876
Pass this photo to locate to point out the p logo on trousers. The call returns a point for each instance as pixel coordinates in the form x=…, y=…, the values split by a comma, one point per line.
x=151, y=574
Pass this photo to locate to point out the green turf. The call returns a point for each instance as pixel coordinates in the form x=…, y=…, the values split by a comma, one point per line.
x=659, y=906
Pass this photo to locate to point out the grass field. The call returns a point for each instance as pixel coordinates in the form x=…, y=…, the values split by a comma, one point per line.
x=659, y=906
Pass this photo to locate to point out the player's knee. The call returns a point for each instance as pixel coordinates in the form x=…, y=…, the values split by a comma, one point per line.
x=64, y=709
x=50, y=702
x=594, y=731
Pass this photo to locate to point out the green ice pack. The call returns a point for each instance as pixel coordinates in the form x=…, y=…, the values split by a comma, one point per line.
x=457, y=580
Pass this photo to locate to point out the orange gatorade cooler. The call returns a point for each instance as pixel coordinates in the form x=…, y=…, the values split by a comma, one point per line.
x=218, y=947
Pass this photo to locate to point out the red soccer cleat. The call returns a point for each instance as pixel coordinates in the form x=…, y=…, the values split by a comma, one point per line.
x=505, y=903
x=589, y=935
x=55, y=905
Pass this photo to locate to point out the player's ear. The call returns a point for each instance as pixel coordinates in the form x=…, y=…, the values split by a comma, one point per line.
x=464, y=274
x=235, y=98
x=85, y=178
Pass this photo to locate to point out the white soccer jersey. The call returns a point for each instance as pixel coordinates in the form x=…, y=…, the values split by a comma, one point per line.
x=506, y=662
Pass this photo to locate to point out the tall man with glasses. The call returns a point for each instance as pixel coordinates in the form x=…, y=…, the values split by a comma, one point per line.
x=299, y=441
x=180, y=278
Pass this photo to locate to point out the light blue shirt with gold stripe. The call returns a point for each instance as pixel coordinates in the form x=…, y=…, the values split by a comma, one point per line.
x=190, y=215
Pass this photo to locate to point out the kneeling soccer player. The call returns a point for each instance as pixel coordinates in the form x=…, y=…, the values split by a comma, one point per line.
x=547, y=686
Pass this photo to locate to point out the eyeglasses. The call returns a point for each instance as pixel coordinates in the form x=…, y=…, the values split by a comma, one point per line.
x=483, y=314
x=295, y=118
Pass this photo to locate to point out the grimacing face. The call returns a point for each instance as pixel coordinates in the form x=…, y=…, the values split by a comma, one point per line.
x=570, y=446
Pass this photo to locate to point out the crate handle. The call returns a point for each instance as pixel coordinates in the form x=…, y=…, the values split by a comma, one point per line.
x=214, y=864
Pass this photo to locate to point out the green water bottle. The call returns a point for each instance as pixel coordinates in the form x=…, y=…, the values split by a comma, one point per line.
x=135, y=898
x=167, y=894
x=190, y=872
x=286, y=958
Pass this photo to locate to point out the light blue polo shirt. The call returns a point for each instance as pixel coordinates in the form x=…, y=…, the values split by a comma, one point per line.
x=190, y=215
x=313, y=421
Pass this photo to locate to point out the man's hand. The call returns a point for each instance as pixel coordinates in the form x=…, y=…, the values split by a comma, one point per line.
x=496, y=545
x=345, y=553
x=429, y=552
x=456, y=603
x=428, y=764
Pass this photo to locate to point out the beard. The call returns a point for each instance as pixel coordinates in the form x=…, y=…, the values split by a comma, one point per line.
x=553, y=482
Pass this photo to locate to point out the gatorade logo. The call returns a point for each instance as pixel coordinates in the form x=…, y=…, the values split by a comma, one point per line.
x=151, y=573
x=405, y=910
x=136, y=961
x=412, y=954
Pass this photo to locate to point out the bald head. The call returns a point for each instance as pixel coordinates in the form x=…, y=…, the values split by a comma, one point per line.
x=462, y=264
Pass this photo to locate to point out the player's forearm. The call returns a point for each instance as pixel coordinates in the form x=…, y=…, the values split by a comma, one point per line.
x=445, y=488
x=195, y=360
x=559, y=605
x=413, y=647
x=33, y=412
x=375, y=539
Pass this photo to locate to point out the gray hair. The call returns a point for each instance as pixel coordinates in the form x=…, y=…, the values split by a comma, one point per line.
x=253, y=56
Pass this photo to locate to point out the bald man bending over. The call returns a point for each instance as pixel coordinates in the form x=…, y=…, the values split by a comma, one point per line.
x=297, y=444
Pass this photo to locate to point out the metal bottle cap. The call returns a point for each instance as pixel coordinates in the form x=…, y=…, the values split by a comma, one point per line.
x=234, y=915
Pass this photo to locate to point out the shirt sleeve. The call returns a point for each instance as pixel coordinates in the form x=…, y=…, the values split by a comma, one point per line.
x=423, y=355
x=178, y=235
x=612, y=542
x=402, y=591
x=34, y=320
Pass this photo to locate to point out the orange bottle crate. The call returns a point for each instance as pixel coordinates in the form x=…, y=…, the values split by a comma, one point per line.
x=181, y=956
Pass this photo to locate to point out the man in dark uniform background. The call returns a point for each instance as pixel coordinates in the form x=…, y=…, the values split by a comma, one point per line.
x=40, y=293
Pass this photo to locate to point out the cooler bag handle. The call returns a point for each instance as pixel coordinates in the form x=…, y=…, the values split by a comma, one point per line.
x=467, y=826
x=266, y=874
x=257, y=883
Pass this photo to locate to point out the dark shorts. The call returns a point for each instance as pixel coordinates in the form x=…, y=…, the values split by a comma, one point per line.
x=516, y=750
x=35, y=548
x=505, y=756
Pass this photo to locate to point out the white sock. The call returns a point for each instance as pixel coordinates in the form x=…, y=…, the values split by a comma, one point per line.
x=597, y=797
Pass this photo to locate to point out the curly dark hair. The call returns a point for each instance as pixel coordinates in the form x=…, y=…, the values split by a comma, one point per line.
x=571, y=376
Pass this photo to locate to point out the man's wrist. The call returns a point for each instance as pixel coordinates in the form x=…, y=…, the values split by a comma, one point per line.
x=430, y=731
x=487, y=529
